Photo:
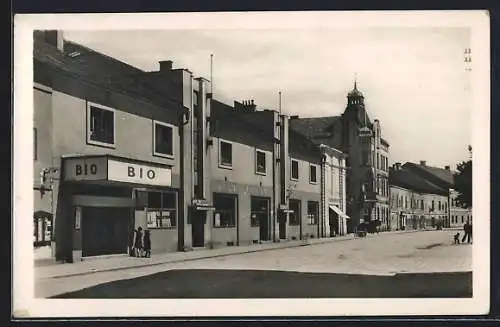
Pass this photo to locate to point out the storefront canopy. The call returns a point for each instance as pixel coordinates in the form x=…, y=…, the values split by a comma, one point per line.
x=338, y=211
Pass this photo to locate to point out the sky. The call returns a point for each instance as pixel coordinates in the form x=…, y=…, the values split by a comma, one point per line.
x=413, y=78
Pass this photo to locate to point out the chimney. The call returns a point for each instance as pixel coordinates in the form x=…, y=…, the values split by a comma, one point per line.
x=447, y=167
x=397, y=166
x=422, y=162
x=166, y=65
x=245, y=105
x=55, y=38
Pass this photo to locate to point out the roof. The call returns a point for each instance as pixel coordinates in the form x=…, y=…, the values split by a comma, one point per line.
x=438, y=175
x=311, y=127
x=98, y=68
x=405, y=178
x=355, y=92
x=318, y=130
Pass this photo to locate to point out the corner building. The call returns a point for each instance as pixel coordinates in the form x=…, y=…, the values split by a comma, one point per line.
x=367, y=154
x=111, y=149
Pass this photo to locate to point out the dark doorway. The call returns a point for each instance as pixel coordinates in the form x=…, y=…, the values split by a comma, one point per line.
x=198, y=228
x=282, y=224
x=260, y=215
x=105, y=230
x=333, y=221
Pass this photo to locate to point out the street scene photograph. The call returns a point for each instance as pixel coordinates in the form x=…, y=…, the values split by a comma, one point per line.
x=254, y=163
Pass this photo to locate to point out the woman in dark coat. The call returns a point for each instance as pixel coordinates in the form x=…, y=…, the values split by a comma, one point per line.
x=138, y=242
x=147, y=243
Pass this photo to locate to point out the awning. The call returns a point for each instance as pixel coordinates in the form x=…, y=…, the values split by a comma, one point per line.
x=338, y=211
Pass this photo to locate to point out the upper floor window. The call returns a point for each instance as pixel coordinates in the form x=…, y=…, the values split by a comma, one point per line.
x=378, y=161
x=100, y=125
x=35, y=143
x=163, y=139
x=295, y=169
x=225, y=154
x=313, y=178
x=260, y=162
x=432, y=205
x=365, y=157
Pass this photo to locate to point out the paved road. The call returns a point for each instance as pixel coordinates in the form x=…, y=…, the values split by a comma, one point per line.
x=379, y=255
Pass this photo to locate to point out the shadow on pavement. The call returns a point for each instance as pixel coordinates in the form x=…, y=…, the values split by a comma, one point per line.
x=211, y=283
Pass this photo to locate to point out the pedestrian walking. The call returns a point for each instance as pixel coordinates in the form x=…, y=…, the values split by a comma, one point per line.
x=138, y=242
x=147, y=243
x=131, y=249
x=467, y=232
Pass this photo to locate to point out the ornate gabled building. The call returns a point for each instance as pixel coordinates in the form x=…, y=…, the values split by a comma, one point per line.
x=367, y=156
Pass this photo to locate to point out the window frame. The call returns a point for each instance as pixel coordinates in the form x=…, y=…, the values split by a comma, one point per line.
x=291, y=170
x=235, y=212
x=159, y=154
x=222, y=165
x=91, y=105
x=163, y=209
x=311, y=165
x=316, y=217
x=257, y=151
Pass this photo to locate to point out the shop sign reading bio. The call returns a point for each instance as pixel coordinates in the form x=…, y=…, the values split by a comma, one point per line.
x=139, y=173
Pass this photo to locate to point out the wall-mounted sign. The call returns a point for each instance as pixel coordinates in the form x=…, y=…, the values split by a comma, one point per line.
x=85, y=169
x=139, y=173
x=78, y=217
x=202, y=204
x=283, y=207
x=104, y=168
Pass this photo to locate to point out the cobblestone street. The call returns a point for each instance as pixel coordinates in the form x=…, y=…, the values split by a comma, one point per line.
x=385, y=254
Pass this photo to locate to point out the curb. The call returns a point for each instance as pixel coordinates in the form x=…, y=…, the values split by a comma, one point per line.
x=175, y=261
x=285, y=246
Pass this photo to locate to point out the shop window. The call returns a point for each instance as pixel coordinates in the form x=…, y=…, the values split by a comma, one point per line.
x=258, y=210
x=163, y=139
x=295, y=216
x=161, y=210
x=225, y=154
x=295, y=169
x=260, y=162
x=101, y=125
x=313, y=178
x=225, y=210
x=35, y=143
x=312, y=212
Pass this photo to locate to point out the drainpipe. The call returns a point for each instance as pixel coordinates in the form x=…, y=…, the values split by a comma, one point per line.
x=183, y=121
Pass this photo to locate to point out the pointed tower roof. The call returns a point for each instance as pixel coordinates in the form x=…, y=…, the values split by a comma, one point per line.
x=355, y=92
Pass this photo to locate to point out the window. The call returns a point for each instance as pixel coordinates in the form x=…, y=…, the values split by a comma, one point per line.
x=161, y=209
x=378, y=161
x=35, y=143
x=295, y=216
x=312, y=174
x=225, y=210
x=432, y=205
x=163, y=139
x=225, y=154
x=422, y=204
x=260, y=162
x=101, y=125
x=312, y=212
x=259, y=211
x=295, y=170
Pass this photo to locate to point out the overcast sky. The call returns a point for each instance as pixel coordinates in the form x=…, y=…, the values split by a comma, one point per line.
x=414, y=79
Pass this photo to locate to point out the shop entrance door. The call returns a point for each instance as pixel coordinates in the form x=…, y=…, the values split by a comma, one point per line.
x=198, y=228
x=260, y=209
x=282, y=224
x=105, y=230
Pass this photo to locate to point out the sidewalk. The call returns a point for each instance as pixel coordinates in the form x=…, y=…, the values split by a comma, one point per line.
x=94, y=265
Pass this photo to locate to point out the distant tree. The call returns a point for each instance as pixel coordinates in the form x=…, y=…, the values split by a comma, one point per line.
x=463, y=181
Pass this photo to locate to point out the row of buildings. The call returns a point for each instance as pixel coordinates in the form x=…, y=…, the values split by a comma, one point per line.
x=116, y=148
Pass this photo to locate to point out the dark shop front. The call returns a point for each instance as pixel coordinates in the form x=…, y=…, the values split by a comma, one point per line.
x=106, y=197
